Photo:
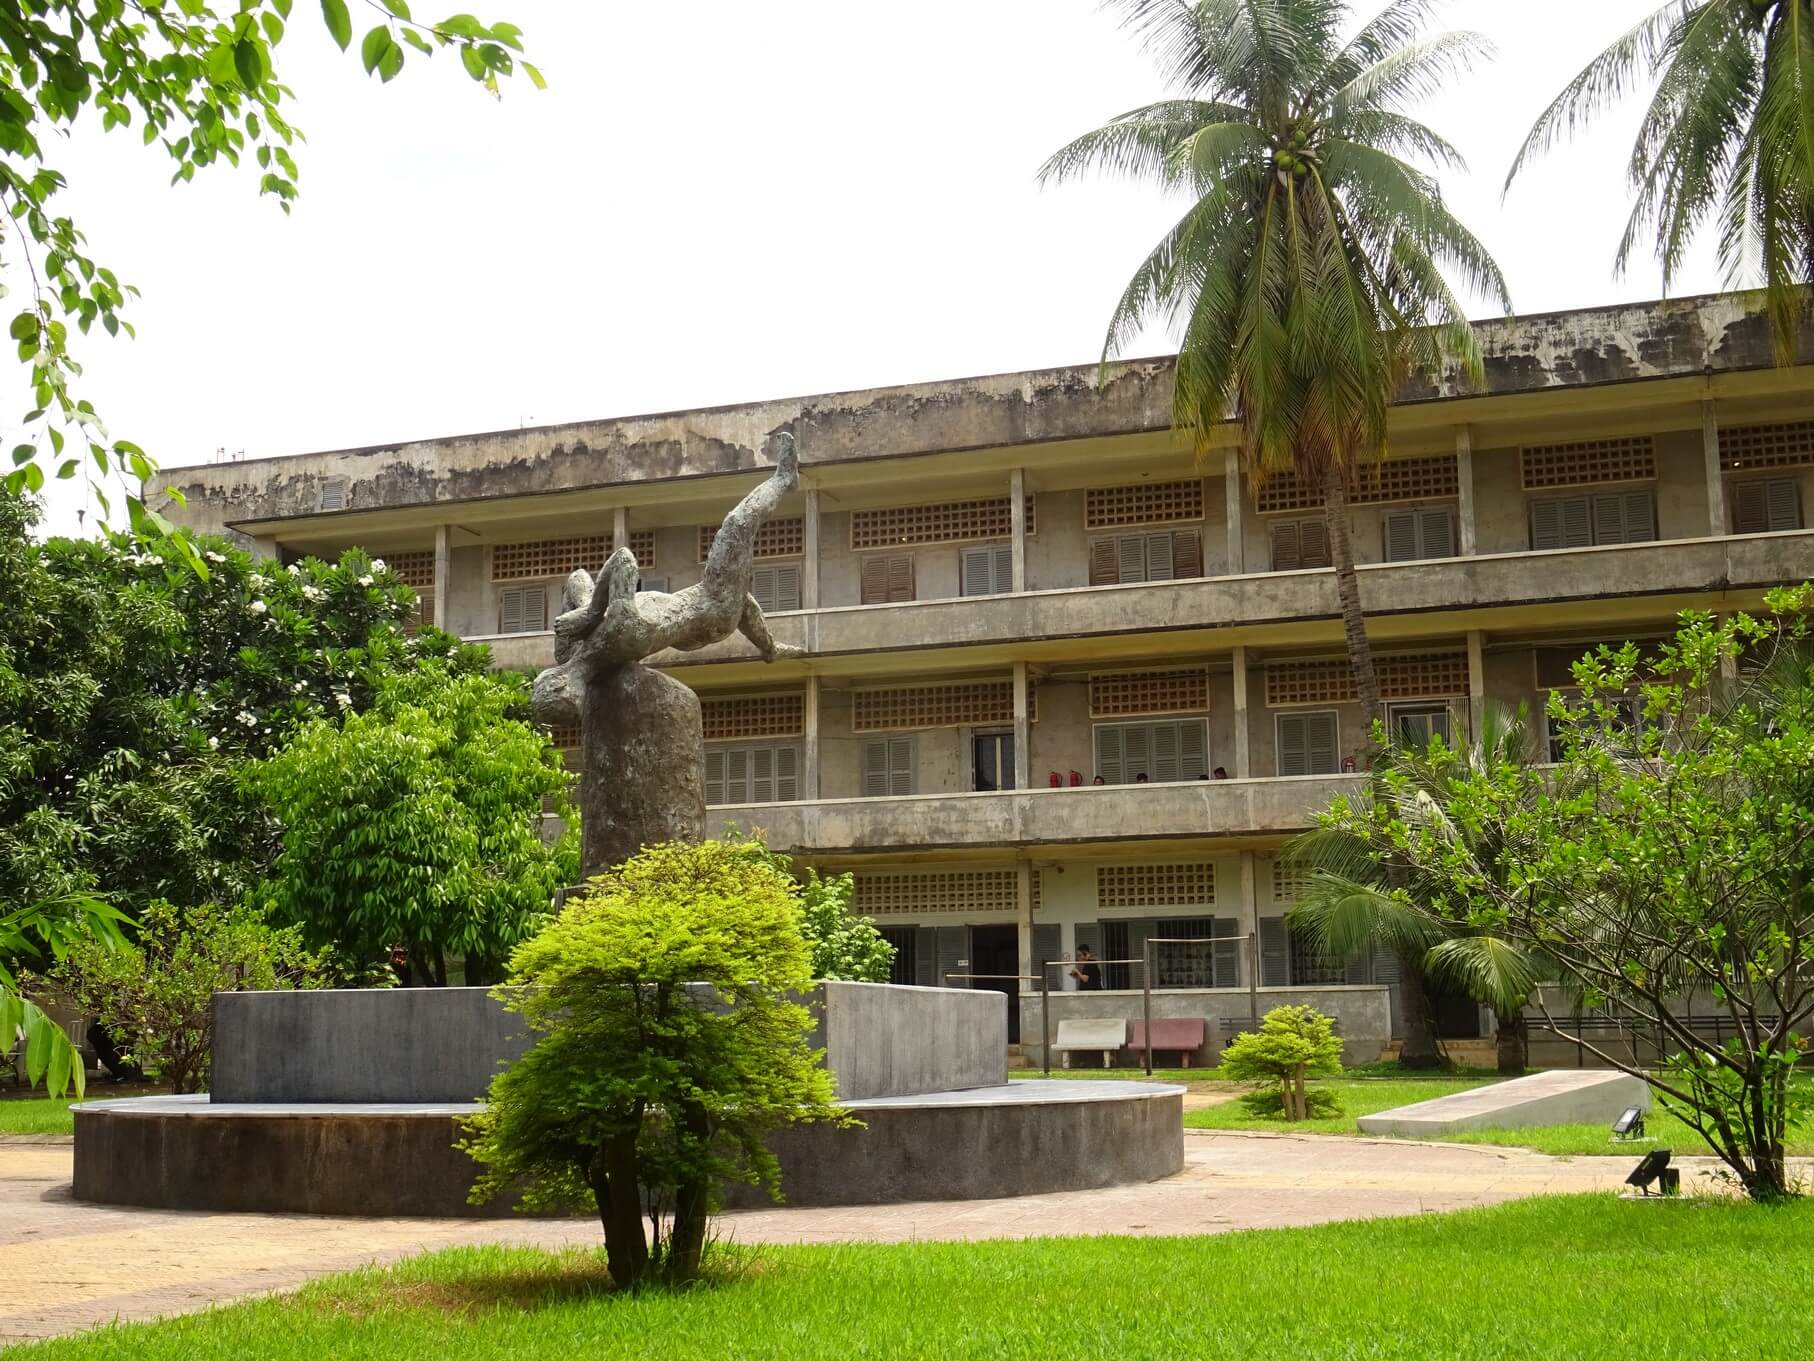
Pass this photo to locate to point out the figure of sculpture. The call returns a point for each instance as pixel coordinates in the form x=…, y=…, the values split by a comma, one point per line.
x=642, y=745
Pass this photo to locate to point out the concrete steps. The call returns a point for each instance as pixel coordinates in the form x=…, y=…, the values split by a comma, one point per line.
x=1464, y=1053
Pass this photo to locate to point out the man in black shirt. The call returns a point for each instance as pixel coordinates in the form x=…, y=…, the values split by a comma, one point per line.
x=1086, y=971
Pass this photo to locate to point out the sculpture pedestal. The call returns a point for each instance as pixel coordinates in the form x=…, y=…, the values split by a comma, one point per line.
x=643, y=761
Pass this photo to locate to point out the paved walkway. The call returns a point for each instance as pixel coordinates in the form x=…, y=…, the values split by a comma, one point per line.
x=71, y=1265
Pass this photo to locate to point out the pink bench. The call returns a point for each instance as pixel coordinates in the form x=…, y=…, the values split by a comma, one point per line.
x=1181, y=1035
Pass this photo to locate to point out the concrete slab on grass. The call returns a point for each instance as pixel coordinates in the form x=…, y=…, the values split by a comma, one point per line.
x=1565, y=1096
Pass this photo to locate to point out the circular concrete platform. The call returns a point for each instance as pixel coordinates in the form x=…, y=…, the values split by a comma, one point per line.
x=188, y=1153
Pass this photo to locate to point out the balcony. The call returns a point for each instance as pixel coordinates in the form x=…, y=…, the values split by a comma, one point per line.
x=1193, y=809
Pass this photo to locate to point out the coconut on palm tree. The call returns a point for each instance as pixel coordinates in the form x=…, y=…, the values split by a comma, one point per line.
x=1307, y=273
x=1361, y=895
x=1727, y=139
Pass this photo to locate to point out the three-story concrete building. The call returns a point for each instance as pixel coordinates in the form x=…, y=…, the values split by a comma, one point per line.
x=1066, y=682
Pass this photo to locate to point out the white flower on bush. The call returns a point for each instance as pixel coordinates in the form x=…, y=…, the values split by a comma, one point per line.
x=256, y=607
x=294, y=570
x=247, y=717
x=344, y=700
x=212, y=556
x=299, y=687
x=377, y=564
x=257, y=583
x=314, y=593
x=365, y=581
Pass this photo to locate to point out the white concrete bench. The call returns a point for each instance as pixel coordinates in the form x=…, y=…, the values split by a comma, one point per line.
x=1105, y=1036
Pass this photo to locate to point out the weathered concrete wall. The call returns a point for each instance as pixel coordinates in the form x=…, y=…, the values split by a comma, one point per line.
x=1363, y=1015
x=885, y=1040
x=361, y=1044
x=1563, y=1097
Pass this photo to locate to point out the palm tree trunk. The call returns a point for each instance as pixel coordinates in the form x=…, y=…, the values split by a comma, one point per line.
x=1347, y=588
x=1513, y=1042
x=1418, y=1049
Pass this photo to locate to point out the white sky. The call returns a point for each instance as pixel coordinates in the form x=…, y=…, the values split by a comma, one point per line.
x=713, y=202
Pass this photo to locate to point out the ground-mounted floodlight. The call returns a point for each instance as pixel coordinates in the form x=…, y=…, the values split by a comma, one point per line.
x=1654, y=1168
x=1630, y=1124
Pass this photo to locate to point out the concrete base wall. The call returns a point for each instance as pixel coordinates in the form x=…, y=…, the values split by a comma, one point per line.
x=1363, y=1016
x=882, y=1039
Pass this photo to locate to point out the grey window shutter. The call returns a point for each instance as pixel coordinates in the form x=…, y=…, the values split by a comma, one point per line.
x=874, y=582
x=1782, y=503
x=977, y=572
x=1436, y=534
x=1165, y=753
x=333, y=493
x=1294, y=744
x=1136, y=752
x=1108, y=754
x=1322, y=734
x=900, y=579
x=1227, y=952
x=1399, y=530
x=1287, y=552
x=1546, y=523
x=714, y=776
x=510, y=612
x=787, y=587
x=762, y=775
x=787, y=774
x=1358, y=970
x=1046, y=945
x=1640, y=517
x=900, y=766
x=1577, y=522
x=1130, y=554
x=535, y=608
x=1313, y=543
x=1159, y=557
x=737, y=775
x=1193, y=749
x=1609, y=519
x=925, y=957
x=875, y=768
x=762, y=587
x=1187, y=554
x=1385, y=966
x=1275, y=953
x=1105, y=569
x=953, y=956
x=1004, y=569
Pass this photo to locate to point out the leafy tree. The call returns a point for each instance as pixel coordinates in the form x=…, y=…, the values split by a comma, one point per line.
x=32, y=932
x=1291, y=1044
x=1728, y=137
x=157, y=995
x=1307, y=273
x=200, y=79
x=842, y=945
x=1362, y=894
x=1668, y=867
x=419, y=824
x=668, y=1049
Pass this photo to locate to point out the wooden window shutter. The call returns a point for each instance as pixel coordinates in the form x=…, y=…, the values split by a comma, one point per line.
x=1226, y=968
x=510, y=611
x=1294, y=744
x=1108, y=754
x=1399, y=530
x=523, y=610
x=900, y=766
x=875, y=769
x=1104, y=565
x=1165, y=753
x=900, y=579
x=1130, y=557
x=787, y=774
x=1783, y=503
x=1640, y=514
x=787, y=587
x=1609, y=519
x=1160, y=565
x=1287, y=552
x=762, y=587
x=1577, y=522
x=1438, y=533
x=874, y=582
x=714, y=777
x=1750, y=508
x=737, y=775
x=1322, y=744
x=1313, y=541
x=1187, y=554
x=1275, y=954
x=762, y=775
x=1546, y=524
x=1136, y=752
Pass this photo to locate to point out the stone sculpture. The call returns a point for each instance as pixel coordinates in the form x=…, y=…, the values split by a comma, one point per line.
x=642, y=744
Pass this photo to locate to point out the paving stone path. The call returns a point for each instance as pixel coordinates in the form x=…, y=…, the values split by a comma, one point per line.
x=72, y=1265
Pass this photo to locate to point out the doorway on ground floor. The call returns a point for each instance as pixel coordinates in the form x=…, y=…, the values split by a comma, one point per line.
x=996, y=950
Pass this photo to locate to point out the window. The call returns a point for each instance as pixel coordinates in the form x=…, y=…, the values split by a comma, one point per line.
x=1758, y=507
x=991, y=761
x=333, y=494
x=887, y=581
x=1414, y=725
x=988, y=571
x=776, y=587
x=1626, y=720
x=645, y=583
x=1171, y=555
x=523, y=609
x=1214, y=964
x=888, y=768
x=1288, y=960
x=1298, y=544
x=904, y=940
x=765, y=772
x=1412, y=534
x=1578, y=521
x=1162, y=752
x=1307, y=743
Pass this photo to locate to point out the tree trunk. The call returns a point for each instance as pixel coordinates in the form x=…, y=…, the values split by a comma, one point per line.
x=1300, y=1095
x=692, y=1202
x=615, y=1187
x=1418, y=1048
x=1347, y=588
x=1513, y=1036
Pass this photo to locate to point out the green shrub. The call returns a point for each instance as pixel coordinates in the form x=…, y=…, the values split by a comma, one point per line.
x=1291, y=1044
x=843, y=946
x=156, y=997
x=668, y=1048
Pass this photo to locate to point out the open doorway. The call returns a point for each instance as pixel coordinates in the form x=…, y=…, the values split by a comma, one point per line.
x=996, y=950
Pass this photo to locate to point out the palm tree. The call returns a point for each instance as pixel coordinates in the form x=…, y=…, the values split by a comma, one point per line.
x=1307, y=273
x=1350, y=905
x=1728, y=135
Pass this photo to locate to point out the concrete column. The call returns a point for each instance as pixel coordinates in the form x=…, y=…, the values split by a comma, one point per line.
x=1476, y=682
x=809, y=570
x=1243, y=757
x=620, y=527
x=809, y=743
x=1249, y=917
x=1023, y=892
x=443, y=574
x=1236, y=513
x=1464, y=489
x=1716, y=480
x=1017, y=522
x=1023, y=729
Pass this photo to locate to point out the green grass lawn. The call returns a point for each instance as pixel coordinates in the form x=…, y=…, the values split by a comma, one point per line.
x=36, y=1115
x=1359, y=1096
x=1569, y=1277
